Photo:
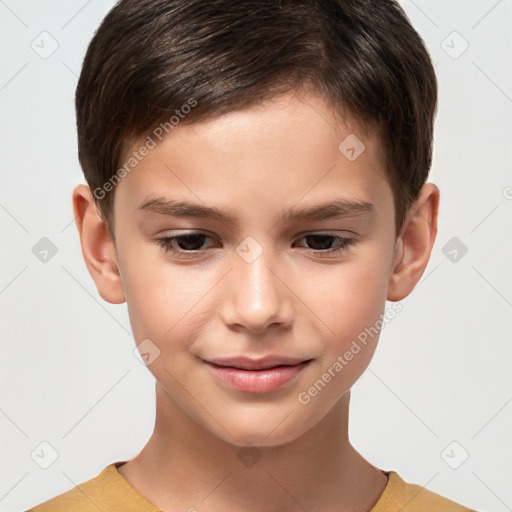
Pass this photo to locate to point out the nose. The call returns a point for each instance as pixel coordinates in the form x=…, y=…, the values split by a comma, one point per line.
x=255, y=294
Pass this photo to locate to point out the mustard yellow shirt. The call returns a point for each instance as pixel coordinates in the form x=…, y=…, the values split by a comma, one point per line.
x=111, y=492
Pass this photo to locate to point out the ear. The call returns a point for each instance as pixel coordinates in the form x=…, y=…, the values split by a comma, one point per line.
x=414, y=244
x=97, y=247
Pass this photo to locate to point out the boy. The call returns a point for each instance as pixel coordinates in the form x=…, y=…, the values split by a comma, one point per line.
x=293, y=139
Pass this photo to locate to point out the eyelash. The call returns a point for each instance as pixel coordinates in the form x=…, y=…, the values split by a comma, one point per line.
x=168, y=244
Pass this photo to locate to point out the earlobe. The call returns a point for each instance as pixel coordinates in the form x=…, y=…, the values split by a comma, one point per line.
x=415, y=243
x=97, y=247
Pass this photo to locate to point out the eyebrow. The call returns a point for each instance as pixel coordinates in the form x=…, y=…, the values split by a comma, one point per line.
x=334, y=209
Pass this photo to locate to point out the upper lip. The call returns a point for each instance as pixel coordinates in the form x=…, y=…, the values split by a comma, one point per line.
x=252, y=363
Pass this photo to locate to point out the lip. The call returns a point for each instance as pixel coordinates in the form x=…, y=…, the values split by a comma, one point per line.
x=257, y=363
x=269, y=377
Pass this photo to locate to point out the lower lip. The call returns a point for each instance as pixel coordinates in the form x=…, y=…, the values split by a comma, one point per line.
x=257, y=381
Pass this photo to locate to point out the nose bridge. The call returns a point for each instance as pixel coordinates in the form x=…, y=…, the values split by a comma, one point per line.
x=255, y=297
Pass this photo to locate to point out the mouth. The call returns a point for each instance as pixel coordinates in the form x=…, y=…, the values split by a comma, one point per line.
x=252, y=363
x=257, y=377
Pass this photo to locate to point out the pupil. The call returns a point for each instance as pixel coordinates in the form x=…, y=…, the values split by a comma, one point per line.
x=325, y=238
x=187, y=240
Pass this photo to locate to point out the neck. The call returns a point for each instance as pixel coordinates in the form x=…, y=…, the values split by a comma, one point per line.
x=184, y=466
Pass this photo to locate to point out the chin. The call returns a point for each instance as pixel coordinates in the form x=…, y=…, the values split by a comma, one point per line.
x=258, y=439
x=261, y=431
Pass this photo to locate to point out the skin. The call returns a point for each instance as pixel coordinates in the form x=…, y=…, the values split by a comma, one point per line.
x=258, y=163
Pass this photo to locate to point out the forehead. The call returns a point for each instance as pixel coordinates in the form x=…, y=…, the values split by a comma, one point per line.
x=285, y=148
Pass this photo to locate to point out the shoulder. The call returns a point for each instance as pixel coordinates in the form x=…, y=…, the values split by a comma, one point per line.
x=107, y=491
x=400, y=495
x=74, y=499
x=81, y=498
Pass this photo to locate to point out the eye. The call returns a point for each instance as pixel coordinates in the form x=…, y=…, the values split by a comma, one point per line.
x=181, y=245
x=328, y=244
x=191, y=245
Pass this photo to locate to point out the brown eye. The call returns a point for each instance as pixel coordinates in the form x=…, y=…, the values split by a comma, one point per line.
x=182, y=244
x=324, y=243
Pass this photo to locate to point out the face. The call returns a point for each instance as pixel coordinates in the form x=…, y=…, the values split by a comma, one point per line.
x=252, y=235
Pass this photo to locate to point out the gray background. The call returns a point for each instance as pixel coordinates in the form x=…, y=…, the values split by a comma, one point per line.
x=439, y=386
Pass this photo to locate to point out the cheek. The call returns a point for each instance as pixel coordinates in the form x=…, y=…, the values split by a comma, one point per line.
x=351, y=297
x=162, y=299
x=350, y=301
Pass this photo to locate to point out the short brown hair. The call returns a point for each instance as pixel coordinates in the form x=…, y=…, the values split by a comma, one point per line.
x=149, y=58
